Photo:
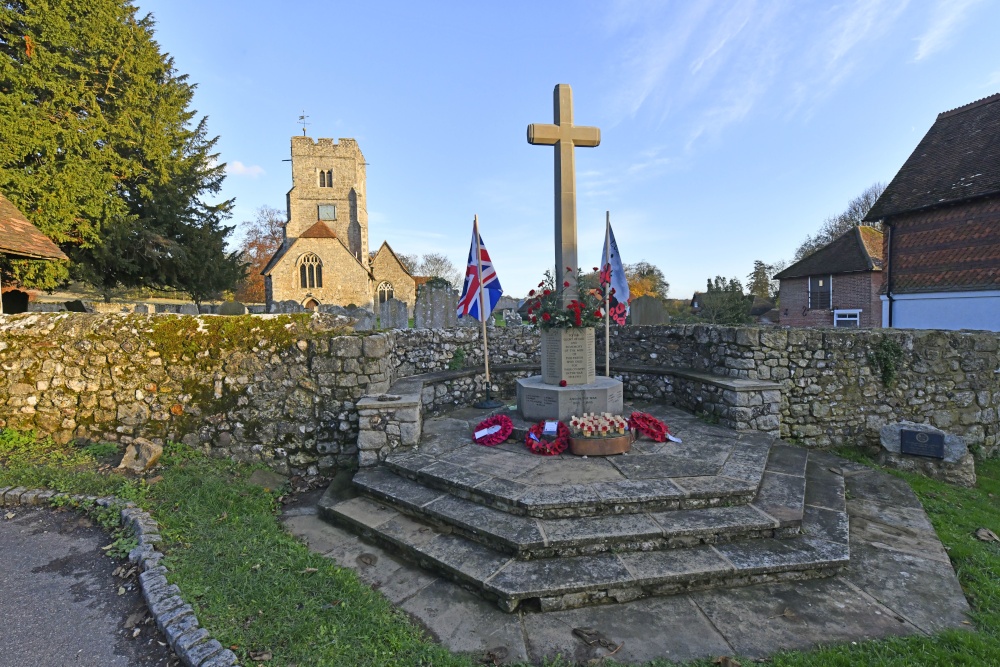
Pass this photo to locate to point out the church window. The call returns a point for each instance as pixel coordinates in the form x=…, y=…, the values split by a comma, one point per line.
x=327, y=211
x=310, y=271
x=326, y=178
x=384, y=291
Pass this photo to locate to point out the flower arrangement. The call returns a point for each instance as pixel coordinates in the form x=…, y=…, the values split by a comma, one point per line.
x=648, y=425
x=593, y=425
x=539, y=443
x=493, y=430
x=546, y=310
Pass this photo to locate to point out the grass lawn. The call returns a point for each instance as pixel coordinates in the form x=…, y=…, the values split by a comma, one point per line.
x=259, y=590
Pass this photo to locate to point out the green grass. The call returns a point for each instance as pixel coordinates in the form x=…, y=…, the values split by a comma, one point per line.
x=258, y=589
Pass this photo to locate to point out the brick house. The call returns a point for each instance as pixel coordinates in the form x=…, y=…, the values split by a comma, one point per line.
x=836, y=286
x=941, y=216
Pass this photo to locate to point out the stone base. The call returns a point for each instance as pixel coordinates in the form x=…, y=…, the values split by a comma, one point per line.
x=537, y=401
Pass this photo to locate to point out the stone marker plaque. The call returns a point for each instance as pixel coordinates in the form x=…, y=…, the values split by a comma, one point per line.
x=920, y=443
x=568, y=354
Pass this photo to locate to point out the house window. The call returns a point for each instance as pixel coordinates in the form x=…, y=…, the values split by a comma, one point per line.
x=327, y=211
x=847, y=318
x=385, y=292
x=326, y=178
x=820, y=288
x=310, y=271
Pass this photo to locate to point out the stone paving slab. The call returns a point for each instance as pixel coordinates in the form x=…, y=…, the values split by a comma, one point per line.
x=712, y=466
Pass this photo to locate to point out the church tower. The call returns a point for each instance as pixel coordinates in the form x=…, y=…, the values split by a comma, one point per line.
x=328, y=186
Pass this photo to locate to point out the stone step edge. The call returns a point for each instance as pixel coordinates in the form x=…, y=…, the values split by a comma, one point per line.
x=612, y=590
x=544, y=549
x=512, y=505
x=175, y=618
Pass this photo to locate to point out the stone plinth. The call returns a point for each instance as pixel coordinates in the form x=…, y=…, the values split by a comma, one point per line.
x=537, y=400
x=568, y=354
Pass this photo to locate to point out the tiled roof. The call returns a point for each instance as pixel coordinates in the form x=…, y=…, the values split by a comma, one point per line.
x=859, y=249
x=19, y=238
x=318, y=231
x=958, y=158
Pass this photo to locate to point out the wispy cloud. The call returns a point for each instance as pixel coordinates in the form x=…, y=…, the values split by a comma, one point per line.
x=944, y=20
x=237, y=168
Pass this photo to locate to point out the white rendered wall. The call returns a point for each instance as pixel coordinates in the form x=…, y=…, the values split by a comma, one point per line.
x=944, y=310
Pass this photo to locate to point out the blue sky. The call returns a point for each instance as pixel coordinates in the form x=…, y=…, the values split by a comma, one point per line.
x=729, y=130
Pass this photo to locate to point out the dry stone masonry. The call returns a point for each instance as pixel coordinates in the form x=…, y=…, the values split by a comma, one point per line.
x=285, y=389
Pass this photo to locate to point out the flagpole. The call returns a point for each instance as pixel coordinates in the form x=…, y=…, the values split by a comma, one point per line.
x=482, y=310
x=607, y=296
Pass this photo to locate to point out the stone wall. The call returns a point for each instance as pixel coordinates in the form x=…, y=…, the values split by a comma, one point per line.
x=831, y=393
x=284, y=389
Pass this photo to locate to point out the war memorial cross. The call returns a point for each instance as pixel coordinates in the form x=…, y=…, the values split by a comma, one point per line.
x=565, y=137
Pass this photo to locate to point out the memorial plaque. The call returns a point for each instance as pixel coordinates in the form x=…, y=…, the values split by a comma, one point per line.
x=920, y=443
x=568, y=354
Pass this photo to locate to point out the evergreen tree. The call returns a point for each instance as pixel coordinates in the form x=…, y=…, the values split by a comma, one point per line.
x=99, y=148
x=724, y=302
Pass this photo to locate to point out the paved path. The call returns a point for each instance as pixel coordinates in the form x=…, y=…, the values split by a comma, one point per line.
x=59, y=602
x=899, y=582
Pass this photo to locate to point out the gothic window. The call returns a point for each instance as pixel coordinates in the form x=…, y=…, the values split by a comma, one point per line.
x=326, y=178
x=384, y=292
x=310, y=271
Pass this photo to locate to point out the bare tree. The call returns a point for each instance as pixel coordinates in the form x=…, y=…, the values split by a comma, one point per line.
x=833, y=227
x=436, y=265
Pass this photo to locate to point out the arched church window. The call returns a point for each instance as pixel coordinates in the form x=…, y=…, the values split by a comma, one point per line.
x=385, y=291
x=310, y=271
x=326, y=178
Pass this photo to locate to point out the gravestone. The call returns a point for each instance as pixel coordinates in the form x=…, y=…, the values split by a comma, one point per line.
x=647, y=310
x=436, y=308
x=76, y=306
x=232, y=308
x=364, y=319
x=188, y=309
x=927, y=450
x=143, y=309
x=287, y=307
x=393, y=315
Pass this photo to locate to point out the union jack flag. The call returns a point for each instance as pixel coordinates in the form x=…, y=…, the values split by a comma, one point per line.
x=469, y=302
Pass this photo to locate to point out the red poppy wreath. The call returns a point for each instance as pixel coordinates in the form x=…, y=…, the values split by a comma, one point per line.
x=647, y=424
x=493, y=431
x=538, y=444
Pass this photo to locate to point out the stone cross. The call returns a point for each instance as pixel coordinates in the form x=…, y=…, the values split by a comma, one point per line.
x=565, y=137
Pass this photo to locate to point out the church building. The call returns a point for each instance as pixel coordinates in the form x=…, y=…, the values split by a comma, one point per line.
x=324, y=258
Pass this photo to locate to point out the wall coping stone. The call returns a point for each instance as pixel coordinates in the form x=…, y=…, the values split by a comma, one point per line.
x=736, y=384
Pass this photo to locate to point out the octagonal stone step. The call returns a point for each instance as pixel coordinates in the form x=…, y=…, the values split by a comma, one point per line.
x=527, y=537
x=569, y=581
x=720, y=470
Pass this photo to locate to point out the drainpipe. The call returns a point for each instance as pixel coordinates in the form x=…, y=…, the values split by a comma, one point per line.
x=888, y=268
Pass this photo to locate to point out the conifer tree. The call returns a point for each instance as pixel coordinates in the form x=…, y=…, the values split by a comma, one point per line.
x=99, y=148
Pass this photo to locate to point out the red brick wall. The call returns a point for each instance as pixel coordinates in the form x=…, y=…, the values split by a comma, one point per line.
x=955, y=247
x=850, y=290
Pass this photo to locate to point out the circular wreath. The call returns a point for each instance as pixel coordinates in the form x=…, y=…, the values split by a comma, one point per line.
x=537, y=443
x=506, y=428
x=647, y=424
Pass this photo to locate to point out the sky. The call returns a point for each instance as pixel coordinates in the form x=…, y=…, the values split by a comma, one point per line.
x=729, y=130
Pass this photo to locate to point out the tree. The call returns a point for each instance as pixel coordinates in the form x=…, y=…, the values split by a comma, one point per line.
x=760, y=281
x=645, y=279
x=262, y=237
x=99, y=148
x=852, y=216
x=724, y=302
x=436, y=265
x=410, y=262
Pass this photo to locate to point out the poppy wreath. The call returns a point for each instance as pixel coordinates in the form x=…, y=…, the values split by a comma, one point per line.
x=539, y=445
x=647, y=424
x=506, y=428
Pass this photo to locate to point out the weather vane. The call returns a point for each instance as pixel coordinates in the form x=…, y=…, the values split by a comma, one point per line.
x=302, y=119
